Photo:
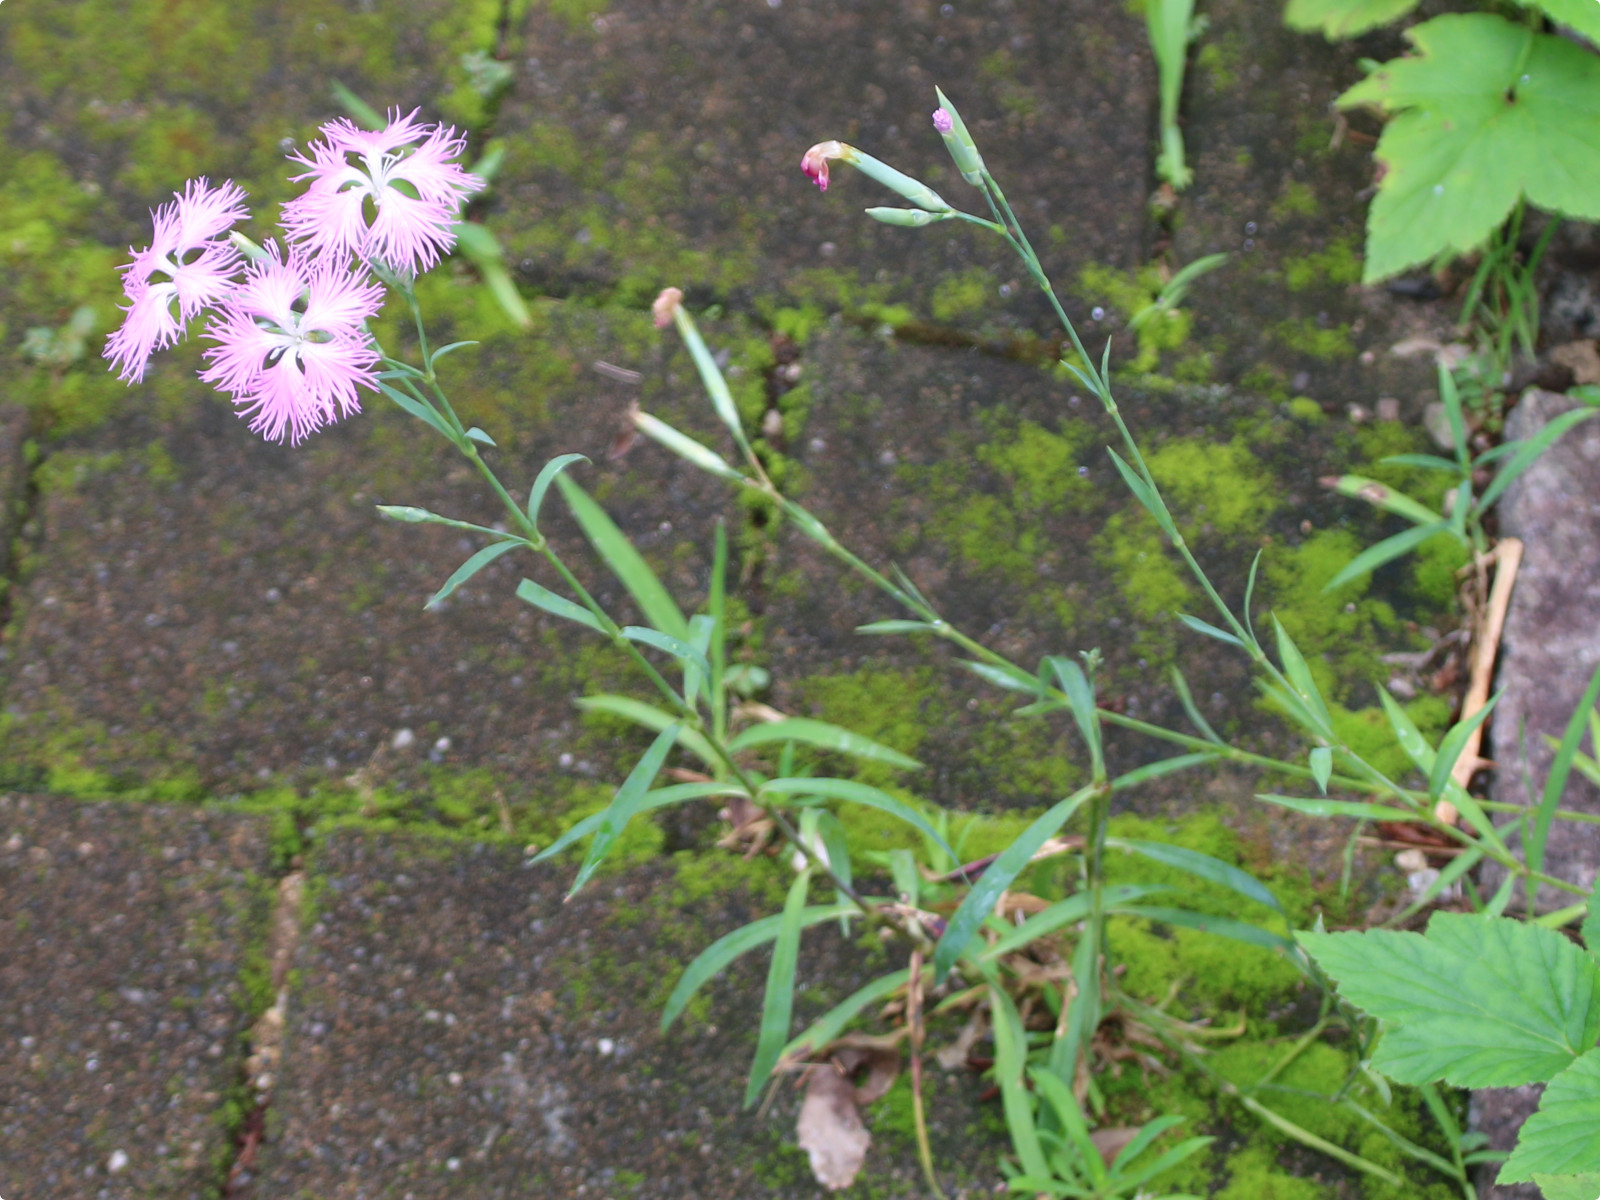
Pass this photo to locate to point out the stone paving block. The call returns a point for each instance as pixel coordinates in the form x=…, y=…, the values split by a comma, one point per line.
x=459, y=1031
x=124, y=930
x=660, y=144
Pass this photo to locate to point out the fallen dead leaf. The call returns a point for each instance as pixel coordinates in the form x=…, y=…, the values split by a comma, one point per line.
x=1582, y=358
x=830, y=1129
x=1111, y=1142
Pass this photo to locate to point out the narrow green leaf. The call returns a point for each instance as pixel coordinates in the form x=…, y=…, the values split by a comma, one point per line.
x=684, y=447
x=1476, y=1002
x=1387, y=550
x=625, y=804
x=1065, y=1106
x=1560, y=767
x=823, y=736
x=1563, y=1135
x=1299, y=675
x=1202, y=866
x=1010, y=1061
x=1529, y=450
x=716, y=386
x=362, y=113
x=677, y=647
x=1338, y=808
x=852, y=792
x=472, y=566
x=1080, y=695
x=1142, y=492
x=777, y=1005
x=1010, y=678
x=980, y=901
x=656, y=798
x=1249, y=596
x=451, y=348
x=652, y=718
x=895, y=627
x=1453, y=744
x=1238, y=931
x=477, y=435
x=1163, y=767
x=1359, y=487
x=1590, y=930
x=625, y=562
x=1321, y=767
x=1181, y=685
x=730, y=946
x=559, y=606
x=1066, y=912
x=1430, y=462
x=425, y=413
x=828, y=1028
x=1422, y=754
x=547, y=476
x=1210, y=630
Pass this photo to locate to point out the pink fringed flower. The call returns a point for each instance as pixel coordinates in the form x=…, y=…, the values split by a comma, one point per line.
x=404, y=170
x=815, y=161
x=290, y=344
x=187, y=266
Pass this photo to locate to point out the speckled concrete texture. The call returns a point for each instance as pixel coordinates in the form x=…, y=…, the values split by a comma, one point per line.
x=123, y=932
x=460, y=1031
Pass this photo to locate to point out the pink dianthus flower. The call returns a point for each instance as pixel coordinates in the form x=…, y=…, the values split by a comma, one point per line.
x=188, y=265
x=290, y=343
x=405, y=171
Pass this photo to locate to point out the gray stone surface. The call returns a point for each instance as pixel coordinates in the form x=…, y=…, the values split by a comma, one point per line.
x=460, y=1031
x=1550, y=649
x=123, y=931
x=13, y=477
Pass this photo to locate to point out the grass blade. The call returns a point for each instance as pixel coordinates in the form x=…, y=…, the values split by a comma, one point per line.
x=652, y=718
x=822, y=736
x=1203, y=866
x=863, y=794
x=547, y=476
x=472, y=566
x=625, y=804
x=657, y=798
x=1387, y=550
x=557, y=606
x=625, y=562
x=777, y=1005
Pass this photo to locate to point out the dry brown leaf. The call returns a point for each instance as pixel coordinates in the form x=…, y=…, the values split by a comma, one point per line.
x=954, y=1056
x=1581, y=358
x=1111, y=1142
x=879, y=1057
x=830, y=1129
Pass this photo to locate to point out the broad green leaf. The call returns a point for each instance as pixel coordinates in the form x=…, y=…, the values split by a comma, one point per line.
x=1485, y=111
x=823, y=736
x=657, y=798
x=558, y=606
x=1584, y=16
x=625, y=804
x=625, y=562
x=547, y=476
x=980, y=901
x=1066, y=912
x=828, y=1027
x=1336, y=19
x=472, y=566
x=1388, y=550
x=1338, y=808
x=777, y=1004
x=730, y=946
x=1563, y=1136
x=1569, y=1187
x=653, y=718
x=1476, y=1002
x=863, y=794
x=1202, y=866
x=1379, y=495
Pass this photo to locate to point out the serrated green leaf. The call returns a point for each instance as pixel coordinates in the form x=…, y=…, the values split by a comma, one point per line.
x=1563, y=1136
x=777, y=1003
x=980, y=901
x=729, y=947
x=625, y=562
x=1336, y=19
x=823, y=736
x=1476, y=1002
x=558, y=606
x=472, y=566
x=625, y=805
x=1568, y=1187
x=1487, y=111
x=1581, y=15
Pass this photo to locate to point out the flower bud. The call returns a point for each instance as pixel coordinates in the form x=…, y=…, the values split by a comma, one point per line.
x=963, y=150
x=665, y=305
x=913, y=190
x=914, y=217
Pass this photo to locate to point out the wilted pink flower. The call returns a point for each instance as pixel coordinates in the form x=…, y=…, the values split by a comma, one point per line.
x=815, y=162
x=290, y=345
x=942, y=121
x=185, y=267
x=666, y=304
x=404, y=170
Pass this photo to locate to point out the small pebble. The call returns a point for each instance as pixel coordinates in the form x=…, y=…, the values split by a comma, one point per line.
x=403, y=739
x=117, y=1162
x=605, y=1045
